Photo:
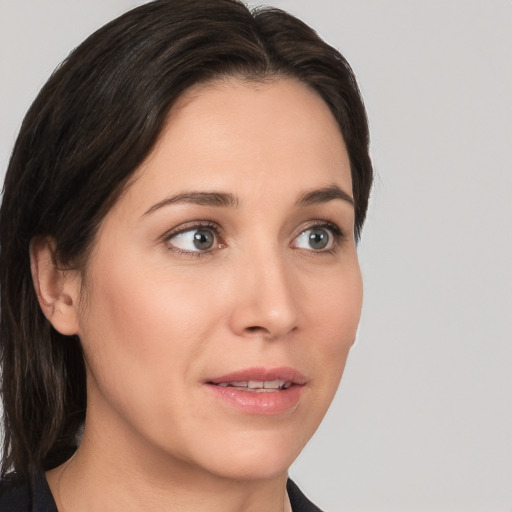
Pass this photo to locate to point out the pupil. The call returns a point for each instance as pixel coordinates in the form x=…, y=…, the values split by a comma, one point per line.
x=203, y=239
x=318, y=239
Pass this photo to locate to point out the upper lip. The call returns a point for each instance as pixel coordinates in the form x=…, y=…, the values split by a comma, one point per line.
x=262, y=374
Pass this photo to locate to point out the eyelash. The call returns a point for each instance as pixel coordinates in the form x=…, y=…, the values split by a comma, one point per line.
x=337, y=233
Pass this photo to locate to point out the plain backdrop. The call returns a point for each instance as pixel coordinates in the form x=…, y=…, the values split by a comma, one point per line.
x=423, y=418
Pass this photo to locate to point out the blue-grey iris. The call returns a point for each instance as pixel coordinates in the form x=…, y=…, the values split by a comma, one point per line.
x=203, y=239
x=318, y=238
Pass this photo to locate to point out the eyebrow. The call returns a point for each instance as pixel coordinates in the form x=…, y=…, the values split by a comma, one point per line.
x=220, y=199
x=226, y=200
x=324, y=195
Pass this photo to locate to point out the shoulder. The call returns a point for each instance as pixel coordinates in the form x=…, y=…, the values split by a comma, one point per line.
x=298, y=501
x=26, y=495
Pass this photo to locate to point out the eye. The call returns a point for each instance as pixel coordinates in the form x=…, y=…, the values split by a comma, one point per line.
x=316, y=238
x=197, y=239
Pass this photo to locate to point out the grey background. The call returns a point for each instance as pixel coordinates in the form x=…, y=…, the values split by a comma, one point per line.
x=423, y=419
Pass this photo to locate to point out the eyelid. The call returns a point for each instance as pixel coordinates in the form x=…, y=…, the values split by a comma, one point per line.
x=322, y=223
x=189, y=226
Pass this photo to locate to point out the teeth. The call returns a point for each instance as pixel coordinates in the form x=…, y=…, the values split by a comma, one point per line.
x=257, y=385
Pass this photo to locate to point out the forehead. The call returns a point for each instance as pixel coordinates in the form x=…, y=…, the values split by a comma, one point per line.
x=243, y=135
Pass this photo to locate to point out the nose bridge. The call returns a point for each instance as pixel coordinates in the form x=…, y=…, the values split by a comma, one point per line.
x=266, y=302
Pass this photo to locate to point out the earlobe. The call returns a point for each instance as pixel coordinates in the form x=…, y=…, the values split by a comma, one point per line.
x=57, y=289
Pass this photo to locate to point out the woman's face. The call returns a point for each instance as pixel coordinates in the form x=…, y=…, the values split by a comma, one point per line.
x=223, y=293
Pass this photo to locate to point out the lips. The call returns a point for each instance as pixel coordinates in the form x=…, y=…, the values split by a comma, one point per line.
x=260, y=390
x=253, y=378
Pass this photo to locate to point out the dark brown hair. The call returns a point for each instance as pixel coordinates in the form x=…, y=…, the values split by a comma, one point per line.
x=90, y=127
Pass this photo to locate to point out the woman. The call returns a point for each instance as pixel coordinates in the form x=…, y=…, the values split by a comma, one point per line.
x=180, y=286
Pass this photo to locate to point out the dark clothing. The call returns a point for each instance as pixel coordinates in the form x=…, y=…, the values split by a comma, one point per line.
x=26, y=496
x=298, y=501
x=35, y=496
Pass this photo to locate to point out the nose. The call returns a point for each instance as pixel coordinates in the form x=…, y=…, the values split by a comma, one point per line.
x=265, y=297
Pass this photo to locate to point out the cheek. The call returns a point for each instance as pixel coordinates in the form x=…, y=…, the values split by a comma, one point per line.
x=337, y=306
x=142, y=337
x=334, y=317
x=147, y=324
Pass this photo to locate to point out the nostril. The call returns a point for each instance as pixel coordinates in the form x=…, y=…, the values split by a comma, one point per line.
x=260, y=332
x=256, y=329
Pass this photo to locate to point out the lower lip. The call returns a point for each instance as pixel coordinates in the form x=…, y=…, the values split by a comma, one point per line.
x=266, y=402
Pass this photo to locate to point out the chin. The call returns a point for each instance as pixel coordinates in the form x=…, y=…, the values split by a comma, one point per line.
x=253, y=455
x=259, y=464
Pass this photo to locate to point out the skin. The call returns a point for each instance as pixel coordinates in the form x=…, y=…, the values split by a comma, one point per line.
x=157, y=317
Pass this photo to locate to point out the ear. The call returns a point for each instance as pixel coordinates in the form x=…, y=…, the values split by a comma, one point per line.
x=57, y=289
